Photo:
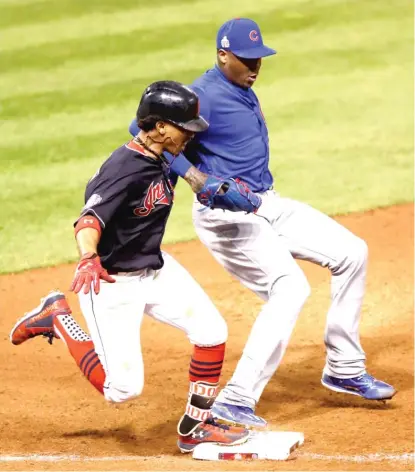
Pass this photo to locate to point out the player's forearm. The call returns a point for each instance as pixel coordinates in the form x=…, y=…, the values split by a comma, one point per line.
x=87, y=239
x=195, y=179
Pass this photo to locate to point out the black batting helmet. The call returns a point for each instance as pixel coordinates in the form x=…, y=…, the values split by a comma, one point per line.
x=173, y=102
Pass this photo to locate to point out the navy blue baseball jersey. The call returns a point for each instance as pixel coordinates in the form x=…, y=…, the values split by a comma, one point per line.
x=131, y=196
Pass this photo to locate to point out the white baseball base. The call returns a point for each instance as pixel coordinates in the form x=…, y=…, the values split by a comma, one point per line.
x=270, y=445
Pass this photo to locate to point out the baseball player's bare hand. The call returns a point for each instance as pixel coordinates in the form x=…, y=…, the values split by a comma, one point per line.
x=88, y=272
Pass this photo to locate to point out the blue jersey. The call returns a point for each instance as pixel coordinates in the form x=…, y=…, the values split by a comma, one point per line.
x=236, y=142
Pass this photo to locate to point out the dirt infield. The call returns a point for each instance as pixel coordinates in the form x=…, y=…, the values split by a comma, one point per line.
x=47, y=407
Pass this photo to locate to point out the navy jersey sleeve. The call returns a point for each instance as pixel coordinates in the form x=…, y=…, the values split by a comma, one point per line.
x=105, y=194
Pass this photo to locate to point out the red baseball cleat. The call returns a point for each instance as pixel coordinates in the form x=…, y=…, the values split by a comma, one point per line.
x=211, y=432
x=40, y=320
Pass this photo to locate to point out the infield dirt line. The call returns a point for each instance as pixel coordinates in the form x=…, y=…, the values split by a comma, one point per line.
x=362, y=458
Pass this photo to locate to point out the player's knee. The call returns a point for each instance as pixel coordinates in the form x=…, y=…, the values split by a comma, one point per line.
x=302, y=287
x=360, y=252
x=356, y=257
x=221, y=331
x=293, y=287
x=122, y=392
x=214, y=331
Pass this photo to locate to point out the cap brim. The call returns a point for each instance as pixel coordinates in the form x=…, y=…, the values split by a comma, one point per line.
x=197, y=125
x=254, y=53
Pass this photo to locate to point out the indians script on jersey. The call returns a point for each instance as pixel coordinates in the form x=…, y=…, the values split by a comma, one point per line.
x=156, y=195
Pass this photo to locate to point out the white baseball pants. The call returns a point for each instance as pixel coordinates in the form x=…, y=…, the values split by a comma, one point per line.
x=114, y=317
x=260, y=251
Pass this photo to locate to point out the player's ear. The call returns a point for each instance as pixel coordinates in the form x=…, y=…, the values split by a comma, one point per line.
x=161, y=127
x=222, y=57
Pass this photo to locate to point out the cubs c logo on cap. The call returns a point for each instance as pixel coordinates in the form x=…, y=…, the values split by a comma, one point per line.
x=253, y=35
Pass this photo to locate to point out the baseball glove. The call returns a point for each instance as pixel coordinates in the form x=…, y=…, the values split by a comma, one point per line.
x=235, y=196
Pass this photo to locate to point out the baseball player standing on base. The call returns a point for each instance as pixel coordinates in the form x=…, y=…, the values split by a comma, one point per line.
x=260, y=249
x=123, y=273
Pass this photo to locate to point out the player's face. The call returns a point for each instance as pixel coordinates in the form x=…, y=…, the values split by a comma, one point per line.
x=179, y=138
x=242, y=72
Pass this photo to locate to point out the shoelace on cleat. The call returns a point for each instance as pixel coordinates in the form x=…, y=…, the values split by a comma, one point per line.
x=50, y=337
x=367, y=377
x=211, y=421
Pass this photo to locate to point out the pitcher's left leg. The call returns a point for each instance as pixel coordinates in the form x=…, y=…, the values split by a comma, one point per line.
x=310, y=235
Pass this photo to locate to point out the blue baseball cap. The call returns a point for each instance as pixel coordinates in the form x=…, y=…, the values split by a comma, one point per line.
x=243, y=38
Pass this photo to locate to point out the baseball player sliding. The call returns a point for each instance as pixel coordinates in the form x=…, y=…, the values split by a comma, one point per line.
x=123, y=273
x=260, y=249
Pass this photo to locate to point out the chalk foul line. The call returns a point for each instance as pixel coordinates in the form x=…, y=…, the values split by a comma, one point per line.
x=363, y=458
x=377, y=457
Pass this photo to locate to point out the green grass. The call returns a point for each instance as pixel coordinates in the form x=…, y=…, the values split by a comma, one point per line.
x=338, y=99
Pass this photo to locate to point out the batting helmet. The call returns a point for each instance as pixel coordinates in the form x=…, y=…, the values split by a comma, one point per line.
x=173, y=102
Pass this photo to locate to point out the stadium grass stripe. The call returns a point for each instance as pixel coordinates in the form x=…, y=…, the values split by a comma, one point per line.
x=76, y=74
x=105, y=70
x=45, y=104
x=290, y=65
x=95, y=24
x=57, y=53
x=28, y=12
x=54, y=150
x=20, y=3
x=61, y=125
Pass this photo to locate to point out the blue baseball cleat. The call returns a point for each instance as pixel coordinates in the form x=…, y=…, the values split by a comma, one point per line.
x=237, y=415
x=365, y=386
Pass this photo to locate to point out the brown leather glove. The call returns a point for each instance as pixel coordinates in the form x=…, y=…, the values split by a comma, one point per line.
x=88, y=271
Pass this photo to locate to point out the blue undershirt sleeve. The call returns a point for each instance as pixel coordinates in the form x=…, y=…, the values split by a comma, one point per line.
x=133, y=128
x=180, y=165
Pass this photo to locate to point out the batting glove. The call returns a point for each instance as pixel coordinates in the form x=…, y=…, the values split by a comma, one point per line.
x=88, y=272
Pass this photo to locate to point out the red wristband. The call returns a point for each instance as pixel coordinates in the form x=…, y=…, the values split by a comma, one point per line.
x=88, y=221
